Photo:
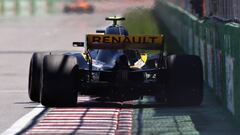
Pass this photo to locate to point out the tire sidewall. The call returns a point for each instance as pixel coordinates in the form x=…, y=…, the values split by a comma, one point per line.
x=58, y=81
x=35, y=72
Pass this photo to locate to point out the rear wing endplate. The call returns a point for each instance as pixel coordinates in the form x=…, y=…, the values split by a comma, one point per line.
x=108, y=41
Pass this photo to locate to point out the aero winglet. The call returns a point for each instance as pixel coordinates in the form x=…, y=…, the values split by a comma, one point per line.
x=114, y=19
x=78, y=44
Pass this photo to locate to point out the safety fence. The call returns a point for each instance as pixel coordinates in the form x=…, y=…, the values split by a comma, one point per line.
x=226, y=10
x=26, y=7
x=218, y=45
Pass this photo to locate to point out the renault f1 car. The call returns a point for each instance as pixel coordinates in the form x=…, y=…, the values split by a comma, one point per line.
x=78, y=6
x=112, y=67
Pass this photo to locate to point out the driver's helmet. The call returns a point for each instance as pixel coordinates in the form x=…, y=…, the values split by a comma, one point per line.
x=118, y=30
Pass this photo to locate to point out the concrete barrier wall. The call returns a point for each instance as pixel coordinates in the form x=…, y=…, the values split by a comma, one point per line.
x=26, y=7
x=218, y=45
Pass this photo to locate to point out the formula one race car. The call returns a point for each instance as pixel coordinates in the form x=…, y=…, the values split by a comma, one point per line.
x=113, y=68
x=78, y=6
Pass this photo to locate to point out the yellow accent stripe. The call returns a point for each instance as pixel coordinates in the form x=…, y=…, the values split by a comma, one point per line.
x=144, y=57
x=84, y=56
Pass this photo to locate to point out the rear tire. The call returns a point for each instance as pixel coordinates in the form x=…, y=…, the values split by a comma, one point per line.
x=35, y=71
x=58, y=81
x=184, y=80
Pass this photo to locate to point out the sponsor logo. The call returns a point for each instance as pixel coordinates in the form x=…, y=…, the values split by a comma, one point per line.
x=109, y=41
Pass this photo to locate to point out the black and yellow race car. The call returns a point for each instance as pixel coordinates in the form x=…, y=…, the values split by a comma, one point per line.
x=112, y=67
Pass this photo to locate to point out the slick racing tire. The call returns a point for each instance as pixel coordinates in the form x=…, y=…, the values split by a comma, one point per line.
x=35, y=71
x=58, y=81
x=184, y=80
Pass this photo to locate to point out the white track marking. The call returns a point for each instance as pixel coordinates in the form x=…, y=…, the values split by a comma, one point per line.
x=82, y=112
x=96, y=127
x=84, y=121
x=84, y=132
x=23, y=122
x=13, y=91
x=78, y=120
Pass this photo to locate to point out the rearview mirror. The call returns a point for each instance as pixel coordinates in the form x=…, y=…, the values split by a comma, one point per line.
x=78, y=44
x=100, y=31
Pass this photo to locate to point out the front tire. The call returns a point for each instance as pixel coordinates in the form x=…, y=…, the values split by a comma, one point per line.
x=58, y=81
x=184, y=80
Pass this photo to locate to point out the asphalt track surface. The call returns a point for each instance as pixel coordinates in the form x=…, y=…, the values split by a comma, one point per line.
x=20, y=37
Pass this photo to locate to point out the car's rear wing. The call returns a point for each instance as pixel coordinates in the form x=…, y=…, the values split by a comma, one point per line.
x=109, y=41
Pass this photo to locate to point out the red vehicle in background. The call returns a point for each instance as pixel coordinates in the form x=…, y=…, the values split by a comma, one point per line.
x=79, y=6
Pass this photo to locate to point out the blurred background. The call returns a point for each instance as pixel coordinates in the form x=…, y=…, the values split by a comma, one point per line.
x=28, y=26
x=221, y=9
x=44, y=25
x=44, y=7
